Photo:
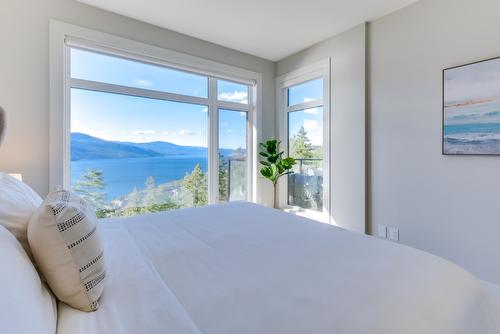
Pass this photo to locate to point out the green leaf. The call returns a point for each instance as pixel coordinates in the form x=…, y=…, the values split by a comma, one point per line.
x=273, y=159
x=274, y=173
x=266, y=172
x=275, y=165
x=288, y=162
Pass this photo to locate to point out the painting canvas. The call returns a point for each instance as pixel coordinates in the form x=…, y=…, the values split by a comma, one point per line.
x=471, y=109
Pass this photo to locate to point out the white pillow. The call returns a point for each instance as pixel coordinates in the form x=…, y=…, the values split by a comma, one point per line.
x=26, y=306
x=64, y=238
x=18, y=202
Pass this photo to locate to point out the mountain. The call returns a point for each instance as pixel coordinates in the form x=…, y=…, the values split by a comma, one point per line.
x=85, y=147
x=169, y=149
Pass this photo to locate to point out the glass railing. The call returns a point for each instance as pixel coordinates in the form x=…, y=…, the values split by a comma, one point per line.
x=234, y=188
x=305, y=185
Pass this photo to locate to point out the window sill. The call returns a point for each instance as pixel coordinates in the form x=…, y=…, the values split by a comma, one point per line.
x=321, y=217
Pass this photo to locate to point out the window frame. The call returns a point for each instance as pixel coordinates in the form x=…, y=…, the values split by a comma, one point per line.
x=64, y=36
x=321, y=69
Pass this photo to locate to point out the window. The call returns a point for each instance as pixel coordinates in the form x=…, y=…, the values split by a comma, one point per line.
x=305, y=133
x=232, y=92
x=306, y=92
x=104, y=68
x=233, y=155
x=305, y=145
x=147, y=137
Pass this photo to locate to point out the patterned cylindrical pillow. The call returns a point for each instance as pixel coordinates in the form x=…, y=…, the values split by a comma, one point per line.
x=64, y=240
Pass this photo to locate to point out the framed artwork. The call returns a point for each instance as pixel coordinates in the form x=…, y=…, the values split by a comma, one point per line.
x=471, y=109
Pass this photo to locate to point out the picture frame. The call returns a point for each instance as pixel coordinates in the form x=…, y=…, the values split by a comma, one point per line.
x=471, y=108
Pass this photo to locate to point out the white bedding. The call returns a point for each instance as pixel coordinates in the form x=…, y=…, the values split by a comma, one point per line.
x=242, y=268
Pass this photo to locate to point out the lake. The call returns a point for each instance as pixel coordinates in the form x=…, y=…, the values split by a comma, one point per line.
x=123, y=175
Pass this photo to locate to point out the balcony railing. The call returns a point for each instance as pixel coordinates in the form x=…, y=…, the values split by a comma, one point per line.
x=305, y=185
x=236, y=189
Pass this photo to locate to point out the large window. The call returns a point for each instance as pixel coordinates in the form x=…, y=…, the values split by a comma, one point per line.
x=147, y=137
x=305, y=133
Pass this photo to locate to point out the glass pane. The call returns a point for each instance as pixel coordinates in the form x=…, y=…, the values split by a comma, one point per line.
x=232, y=92
x=131, y=155
x=118, y=71
x=232, y=155
x=305, y=144
x=305, y=92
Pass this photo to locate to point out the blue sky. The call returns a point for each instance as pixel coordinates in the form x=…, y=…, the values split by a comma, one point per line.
x=311, y=120
x=306, y=92
x=127, y=118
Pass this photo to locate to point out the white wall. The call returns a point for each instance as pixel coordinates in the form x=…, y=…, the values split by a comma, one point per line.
x=447, y=205
x=347, y=53
x=443, y=204
x=24, y=74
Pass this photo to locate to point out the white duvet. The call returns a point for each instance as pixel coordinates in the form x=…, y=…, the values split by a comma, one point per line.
x=242, y=268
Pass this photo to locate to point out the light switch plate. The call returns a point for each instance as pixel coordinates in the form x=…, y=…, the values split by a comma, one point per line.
x=394, y=233
x=382, y=231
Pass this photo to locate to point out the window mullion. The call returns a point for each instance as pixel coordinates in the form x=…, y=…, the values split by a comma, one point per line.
x=249, y=148
x=234, y=106
x=305, y=105
x=213, y=142
x=132, y=91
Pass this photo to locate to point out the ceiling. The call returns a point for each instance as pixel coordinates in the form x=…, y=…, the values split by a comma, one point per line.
x=270, y=29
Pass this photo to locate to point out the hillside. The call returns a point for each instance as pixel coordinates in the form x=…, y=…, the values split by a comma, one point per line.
x=169, y=149
x=85, y=147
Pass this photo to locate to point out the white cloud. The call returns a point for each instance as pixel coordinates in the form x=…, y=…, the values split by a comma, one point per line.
x=312, y=111
x=308, y=99
x=143, y=82
x=310, y=124
x=223, y=124
x=205, y=109
x=236, y=96
x=186, y=132
x=144, y=132
x=229, y=130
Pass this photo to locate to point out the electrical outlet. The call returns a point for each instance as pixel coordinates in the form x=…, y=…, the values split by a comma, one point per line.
x=394, y=233
x=382, y=231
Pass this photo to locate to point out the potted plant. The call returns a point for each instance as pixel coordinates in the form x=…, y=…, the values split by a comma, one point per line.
x=275, y=166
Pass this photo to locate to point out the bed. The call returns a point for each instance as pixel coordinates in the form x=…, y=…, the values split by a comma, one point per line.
x=243, y=268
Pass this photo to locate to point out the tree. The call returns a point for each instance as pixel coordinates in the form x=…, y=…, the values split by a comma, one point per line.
x=91, y=187
x=300, y=145
x=134, y=199
x=196, y=184
x=151, y=195
x=223, y=179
